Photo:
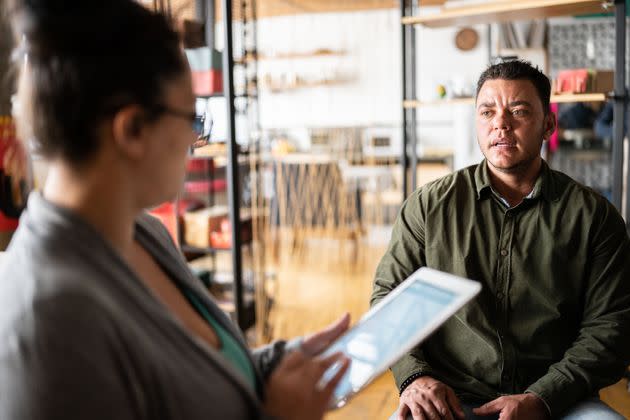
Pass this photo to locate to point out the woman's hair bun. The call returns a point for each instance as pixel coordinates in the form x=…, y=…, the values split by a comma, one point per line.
x=76, y=27
x=86, y=60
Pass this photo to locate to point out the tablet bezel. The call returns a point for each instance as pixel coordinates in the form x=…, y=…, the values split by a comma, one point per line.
x=464, y=290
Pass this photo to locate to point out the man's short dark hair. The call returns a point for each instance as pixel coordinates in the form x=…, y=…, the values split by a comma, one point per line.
x=519, y=70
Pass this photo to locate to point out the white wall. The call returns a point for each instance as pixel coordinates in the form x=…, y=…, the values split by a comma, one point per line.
x=372, y=40
x=372, y=62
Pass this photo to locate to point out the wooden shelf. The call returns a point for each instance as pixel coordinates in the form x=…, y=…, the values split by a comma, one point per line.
x=302, y=85
x=212, y=95
x=292, y=56
x=578, y=97
x=555, y=99
x=502, y=10
x=409, y=104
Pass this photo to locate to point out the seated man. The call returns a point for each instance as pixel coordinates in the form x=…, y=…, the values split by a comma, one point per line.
x=551, y=325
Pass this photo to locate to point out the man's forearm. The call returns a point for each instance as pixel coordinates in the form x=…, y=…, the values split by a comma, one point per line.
x=584, y=370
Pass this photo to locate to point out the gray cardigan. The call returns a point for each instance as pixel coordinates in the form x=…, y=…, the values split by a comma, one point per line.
x=81, y=337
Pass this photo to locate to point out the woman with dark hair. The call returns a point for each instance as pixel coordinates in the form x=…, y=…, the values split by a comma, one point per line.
x=101, y=319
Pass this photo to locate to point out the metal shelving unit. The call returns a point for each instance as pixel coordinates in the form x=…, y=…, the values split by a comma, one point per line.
x=243, y=304
x=505, y=11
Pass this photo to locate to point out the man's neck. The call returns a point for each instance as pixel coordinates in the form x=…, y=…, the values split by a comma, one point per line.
x=514, y=185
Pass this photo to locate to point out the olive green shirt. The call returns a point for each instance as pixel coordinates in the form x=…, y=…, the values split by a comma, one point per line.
x=553, y=316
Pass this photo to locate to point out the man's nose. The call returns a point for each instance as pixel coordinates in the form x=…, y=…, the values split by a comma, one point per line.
x=501, y=121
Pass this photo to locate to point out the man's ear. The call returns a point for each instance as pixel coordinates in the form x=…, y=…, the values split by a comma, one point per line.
x=129, y=133
x=549, y=125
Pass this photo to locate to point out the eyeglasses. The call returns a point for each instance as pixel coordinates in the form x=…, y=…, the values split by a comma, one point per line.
x=196, y=121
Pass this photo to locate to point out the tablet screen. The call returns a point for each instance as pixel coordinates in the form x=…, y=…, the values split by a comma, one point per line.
x=381, y=336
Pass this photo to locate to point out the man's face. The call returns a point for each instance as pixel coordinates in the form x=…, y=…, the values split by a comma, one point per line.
x=511, y=124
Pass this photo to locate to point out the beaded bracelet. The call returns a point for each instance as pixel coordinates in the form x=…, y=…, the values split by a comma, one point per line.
x=409, y=380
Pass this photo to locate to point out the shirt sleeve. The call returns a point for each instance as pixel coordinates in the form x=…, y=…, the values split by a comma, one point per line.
x=600, y=353
x=267, y=358
x=404, y=255
x=58, y=362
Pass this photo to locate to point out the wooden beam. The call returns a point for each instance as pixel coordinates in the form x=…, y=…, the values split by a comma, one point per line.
x=502, y=10
x=559, y=98
x=185, y=9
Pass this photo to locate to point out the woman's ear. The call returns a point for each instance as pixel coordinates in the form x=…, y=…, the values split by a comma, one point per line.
x=128, y=132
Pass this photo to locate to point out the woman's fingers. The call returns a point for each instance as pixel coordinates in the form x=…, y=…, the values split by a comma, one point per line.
x=317, y=342
x=332, y=384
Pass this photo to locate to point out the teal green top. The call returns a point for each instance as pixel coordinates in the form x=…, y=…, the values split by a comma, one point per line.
x=229, y=346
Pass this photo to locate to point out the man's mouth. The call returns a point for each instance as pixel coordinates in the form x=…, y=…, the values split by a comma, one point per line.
x=503, y=143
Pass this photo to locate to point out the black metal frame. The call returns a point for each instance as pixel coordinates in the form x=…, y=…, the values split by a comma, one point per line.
x=409, y=130
x=620, y=194
x=620, y=99
x=234, y=195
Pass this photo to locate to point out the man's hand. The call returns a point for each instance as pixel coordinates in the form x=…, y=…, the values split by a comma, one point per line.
x=515, y=407
x=427, y=398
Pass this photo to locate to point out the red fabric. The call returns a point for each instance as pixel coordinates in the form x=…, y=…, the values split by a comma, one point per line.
x=572, y=81
x=6, y=224
x=207, y=82
x=7, y=138
x=554, y=141
x=204, y=187
x=203, y=165
x=166, y=214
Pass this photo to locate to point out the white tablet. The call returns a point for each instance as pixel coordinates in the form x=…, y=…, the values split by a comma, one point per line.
x=405, y=317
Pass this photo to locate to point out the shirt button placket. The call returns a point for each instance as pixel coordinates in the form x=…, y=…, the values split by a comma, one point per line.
x=501, y=303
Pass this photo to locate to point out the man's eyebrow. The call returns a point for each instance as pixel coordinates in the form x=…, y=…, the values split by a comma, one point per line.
x=486, y=105
x=511, y=104
x=517, y=103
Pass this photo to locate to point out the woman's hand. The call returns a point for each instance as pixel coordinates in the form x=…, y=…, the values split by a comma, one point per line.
x=315, y=343
x=294, y=389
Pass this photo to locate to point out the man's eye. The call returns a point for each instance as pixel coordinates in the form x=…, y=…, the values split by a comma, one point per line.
x=486, y=113
x=519, y=112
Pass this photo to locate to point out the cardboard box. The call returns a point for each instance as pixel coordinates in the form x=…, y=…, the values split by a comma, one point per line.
x=603, y=81
x=198, y=225
x=209, y=227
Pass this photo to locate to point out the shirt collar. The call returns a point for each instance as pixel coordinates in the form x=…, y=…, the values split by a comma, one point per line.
x=545, y=185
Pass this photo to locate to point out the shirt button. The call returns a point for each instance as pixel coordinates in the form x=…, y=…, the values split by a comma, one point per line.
x=499, y=295
x=506, y=377
x=504, y=252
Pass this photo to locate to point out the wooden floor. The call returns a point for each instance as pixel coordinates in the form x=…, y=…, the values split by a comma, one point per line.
x=327, y=278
